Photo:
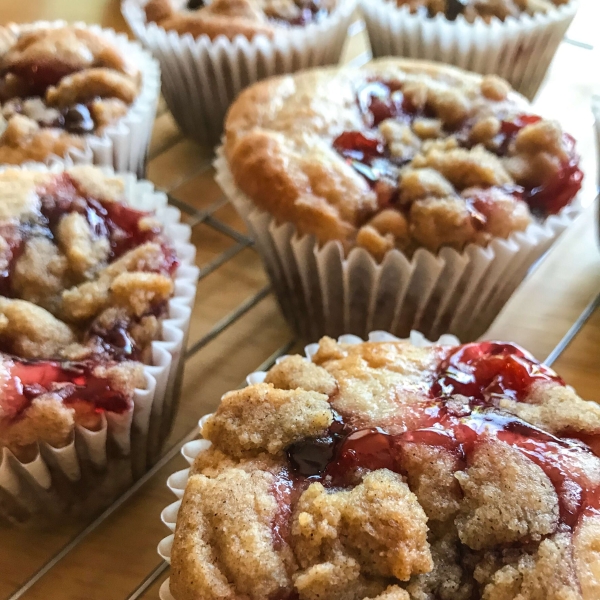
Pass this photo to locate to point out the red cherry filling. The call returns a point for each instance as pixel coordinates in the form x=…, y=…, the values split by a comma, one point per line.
x=72, y=381
x=488, y=370
x=116, y=342
x=39, y=76
x=554, y=195
x=369, y=155
x=381, y=100
x=121, y=224
x=563, y=461
x=481, y=373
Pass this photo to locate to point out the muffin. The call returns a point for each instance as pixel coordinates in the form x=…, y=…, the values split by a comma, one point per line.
x=403, y=195
x=75, y=92
x=515, y=39
x=385, y=470
x=95, y=298
x=230, y=18
x=210, y=52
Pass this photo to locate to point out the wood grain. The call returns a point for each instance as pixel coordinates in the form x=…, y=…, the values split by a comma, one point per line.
x=120, y=553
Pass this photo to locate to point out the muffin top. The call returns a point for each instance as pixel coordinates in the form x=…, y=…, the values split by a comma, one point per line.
x=56, y=86
x=85, y=282
x=398, y=154
x=485, y=9
x=392, y=472
x=231, y=18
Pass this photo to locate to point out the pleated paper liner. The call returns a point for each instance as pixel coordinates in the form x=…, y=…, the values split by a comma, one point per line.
x=201, y=78
x=518, y=49
x=178, y=481
x=323, y=292
x=86, y=475
x=123, y=145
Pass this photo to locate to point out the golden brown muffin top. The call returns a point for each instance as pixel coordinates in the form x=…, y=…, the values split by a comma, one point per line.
x=390, y=472
x=398, y=154
x=231, y=18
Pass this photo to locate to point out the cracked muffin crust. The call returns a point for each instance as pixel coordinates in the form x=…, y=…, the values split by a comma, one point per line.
x=231, y=18
x=485, y=9
x=58, y=85
x=390, y=472
x=399, y=154
x=85, y=282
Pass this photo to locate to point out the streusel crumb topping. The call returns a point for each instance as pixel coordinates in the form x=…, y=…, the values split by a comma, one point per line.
x=85, y=282
x=56, y=86
x=385, y=471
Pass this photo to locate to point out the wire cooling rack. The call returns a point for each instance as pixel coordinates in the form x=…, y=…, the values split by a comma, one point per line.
x=240, y=242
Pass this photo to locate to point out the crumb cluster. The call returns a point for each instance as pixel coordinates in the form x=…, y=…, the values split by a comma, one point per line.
x=56, y=86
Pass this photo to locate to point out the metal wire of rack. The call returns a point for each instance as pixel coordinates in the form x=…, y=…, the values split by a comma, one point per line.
x=196, y=217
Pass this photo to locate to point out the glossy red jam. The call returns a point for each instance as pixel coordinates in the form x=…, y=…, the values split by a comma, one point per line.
x=490, y=370
x=73, y=382
x=461, y=415
x=555, y=194
x=563, y=461
x=368, y=154
x=381, y=100
x=39, y=76
x=121, y=224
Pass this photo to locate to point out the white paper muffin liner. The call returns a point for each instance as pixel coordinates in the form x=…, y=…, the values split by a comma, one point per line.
x=177, y=481
x=323, y=292
x=518, y=49
x=201, y=78
x=88, y=473
x=123, y=145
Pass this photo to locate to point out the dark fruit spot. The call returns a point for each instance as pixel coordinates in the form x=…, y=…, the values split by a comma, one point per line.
x=310, y=456
x=455, y=8
x=78, y=120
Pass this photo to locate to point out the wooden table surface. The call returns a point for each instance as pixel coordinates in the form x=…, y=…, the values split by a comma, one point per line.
x=236, y=324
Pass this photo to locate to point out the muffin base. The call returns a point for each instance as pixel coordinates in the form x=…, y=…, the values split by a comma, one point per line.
x=323, y=292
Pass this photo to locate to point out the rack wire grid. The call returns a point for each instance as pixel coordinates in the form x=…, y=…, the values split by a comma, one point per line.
x=196, y=217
